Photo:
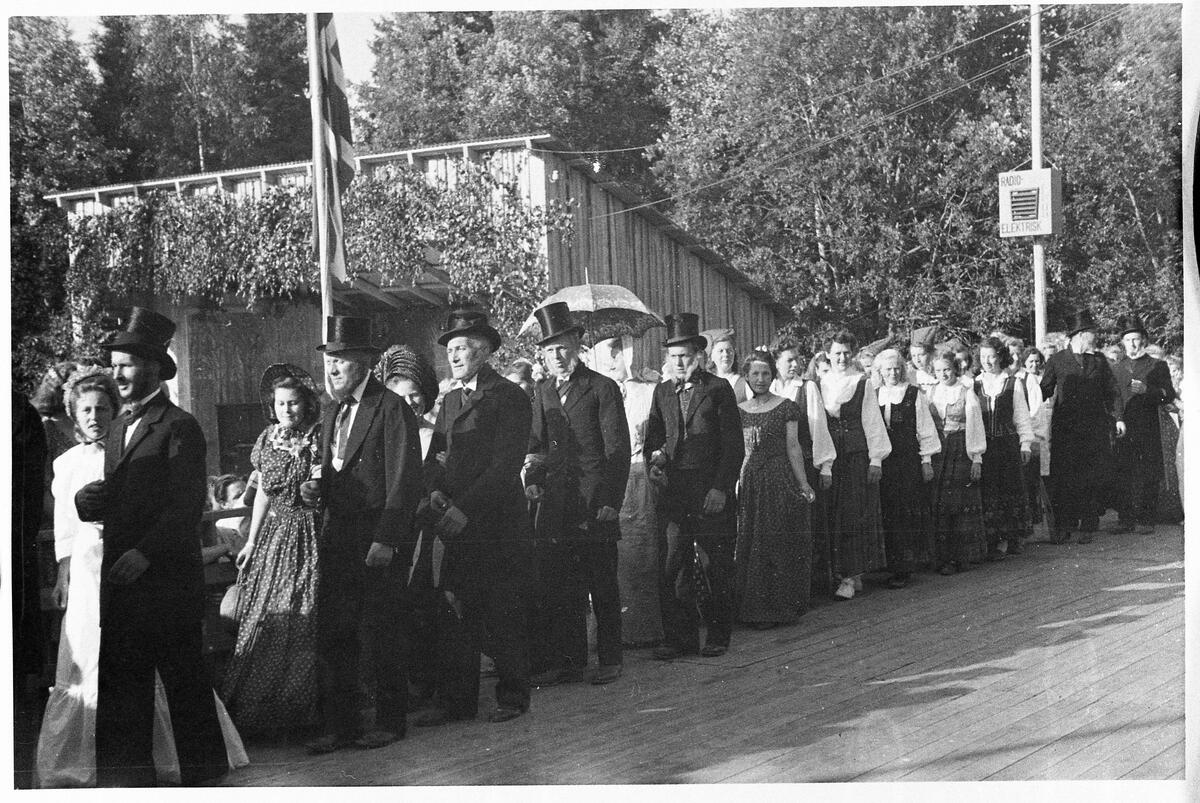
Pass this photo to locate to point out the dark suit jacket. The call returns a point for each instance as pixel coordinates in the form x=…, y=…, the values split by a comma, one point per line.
x=1139, y=411
x=155, y=492
x=1086, y=400
x=380, y=481
x=485, y=438
x=585, y=451
x=709, y=441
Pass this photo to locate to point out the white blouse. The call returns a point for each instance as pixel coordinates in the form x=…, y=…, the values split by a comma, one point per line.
x=74, y=469
x=823, y=451
x=945, y=395
x=993, y=385
x=837, y=389
x=928, y=442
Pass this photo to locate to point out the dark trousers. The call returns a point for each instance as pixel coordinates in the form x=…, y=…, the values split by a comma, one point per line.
x=1076, y=505
x=359, y=610
x=1140, y=468
x=129, y=657
x=570, y=572
x=682, y=504
x=494, y=606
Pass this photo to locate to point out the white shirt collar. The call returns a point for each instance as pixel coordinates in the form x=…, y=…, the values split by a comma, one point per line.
x=470, y=383
x=144, y=401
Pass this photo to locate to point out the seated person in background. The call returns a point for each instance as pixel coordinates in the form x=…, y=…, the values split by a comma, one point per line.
x=225, y=537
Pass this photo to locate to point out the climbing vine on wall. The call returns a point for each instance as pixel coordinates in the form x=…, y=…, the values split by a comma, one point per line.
x=205, y=249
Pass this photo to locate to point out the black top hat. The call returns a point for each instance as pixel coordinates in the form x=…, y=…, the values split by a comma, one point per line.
x=463, y=322
x=282, y=370
x=555, y=320
x=1083, y=322
x=1131, y=323
x=684, y=327
x=402, y=361
x=346, y=333
x=146, y=334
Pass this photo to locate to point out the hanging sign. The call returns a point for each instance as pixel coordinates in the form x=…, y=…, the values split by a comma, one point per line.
x=1031, y=203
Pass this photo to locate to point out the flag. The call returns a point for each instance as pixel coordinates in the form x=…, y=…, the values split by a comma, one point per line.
x=337, y=164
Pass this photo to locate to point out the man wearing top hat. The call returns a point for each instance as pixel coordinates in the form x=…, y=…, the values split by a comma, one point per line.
x=694, y=445
x=1086, y=403
x=478, y=510
x=1145, y=385
x=152, y=580
x=369, y=487
x=576, y=469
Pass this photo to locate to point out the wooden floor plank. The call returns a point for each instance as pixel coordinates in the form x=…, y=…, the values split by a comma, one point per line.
x=1036, y=667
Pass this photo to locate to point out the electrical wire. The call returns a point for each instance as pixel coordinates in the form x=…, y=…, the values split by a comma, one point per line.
x=598, y=152
x=862, y=127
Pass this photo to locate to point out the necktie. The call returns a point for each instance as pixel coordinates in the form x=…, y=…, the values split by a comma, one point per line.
x=343, y=428
x=681, y=393
x=466, y=393
x=563, y=389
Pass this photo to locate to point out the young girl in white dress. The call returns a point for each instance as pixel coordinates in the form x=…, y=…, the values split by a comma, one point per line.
x=66, y=751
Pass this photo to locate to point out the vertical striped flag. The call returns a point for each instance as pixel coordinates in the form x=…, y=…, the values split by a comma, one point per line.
x=336, y=143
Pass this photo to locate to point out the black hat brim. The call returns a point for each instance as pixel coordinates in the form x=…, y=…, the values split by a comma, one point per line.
x=148, y=351
x=697, y=340
x=338, y=348
x=485, y=331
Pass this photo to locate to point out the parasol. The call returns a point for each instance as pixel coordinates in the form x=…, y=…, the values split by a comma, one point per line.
x=604, y=310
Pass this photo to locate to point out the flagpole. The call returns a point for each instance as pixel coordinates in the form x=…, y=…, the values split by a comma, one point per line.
x=320, y=201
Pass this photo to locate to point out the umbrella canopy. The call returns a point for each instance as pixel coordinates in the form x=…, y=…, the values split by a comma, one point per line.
x=604, y=310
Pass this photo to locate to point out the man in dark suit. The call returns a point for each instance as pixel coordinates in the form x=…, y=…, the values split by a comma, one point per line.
x=1086, y=404
x=694, y=445
x=152, y=581
x=369, y=488
x=1145, y=386
x=479, y=512
x=577, y=468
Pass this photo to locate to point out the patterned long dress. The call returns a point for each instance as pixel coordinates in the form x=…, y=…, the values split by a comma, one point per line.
x=774, y=543
x=271, y=682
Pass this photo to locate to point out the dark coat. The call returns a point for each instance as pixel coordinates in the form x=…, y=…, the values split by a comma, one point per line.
x=1139, y=411
x=585, y=451
x=1086, y=403
x=709, y=441
x=154, y=495
x=380, y=482
x=486, y=437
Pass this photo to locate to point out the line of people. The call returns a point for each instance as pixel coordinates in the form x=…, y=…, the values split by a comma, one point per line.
x=416, y=530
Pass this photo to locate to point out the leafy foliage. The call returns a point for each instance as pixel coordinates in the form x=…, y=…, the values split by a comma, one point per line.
x=53, y=144
x=582, y=75
x=207, y=249
x=791, y=149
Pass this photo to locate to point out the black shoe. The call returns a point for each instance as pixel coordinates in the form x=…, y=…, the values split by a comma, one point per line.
x=328, y=743
x=504, y=713
x=437, y=716
x=377, y=738
x=1086, y=538
x=713, y=650
x=945, y=570
x=667, y=653
x=897, y=582
x=607, y=673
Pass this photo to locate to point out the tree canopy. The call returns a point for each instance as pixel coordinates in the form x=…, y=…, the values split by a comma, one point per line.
x=839, y=159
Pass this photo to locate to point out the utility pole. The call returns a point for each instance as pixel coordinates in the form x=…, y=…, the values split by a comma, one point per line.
x=1035, y=137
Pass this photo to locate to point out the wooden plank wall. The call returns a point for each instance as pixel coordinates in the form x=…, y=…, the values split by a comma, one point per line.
x=628, y=249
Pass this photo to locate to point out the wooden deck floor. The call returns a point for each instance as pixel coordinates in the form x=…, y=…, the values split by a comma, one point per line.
x=1065, y=663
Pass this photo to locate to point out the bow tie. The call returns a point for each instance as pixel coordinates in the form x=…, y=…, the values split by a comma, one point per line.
x=133, y=411
x=681, y=385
